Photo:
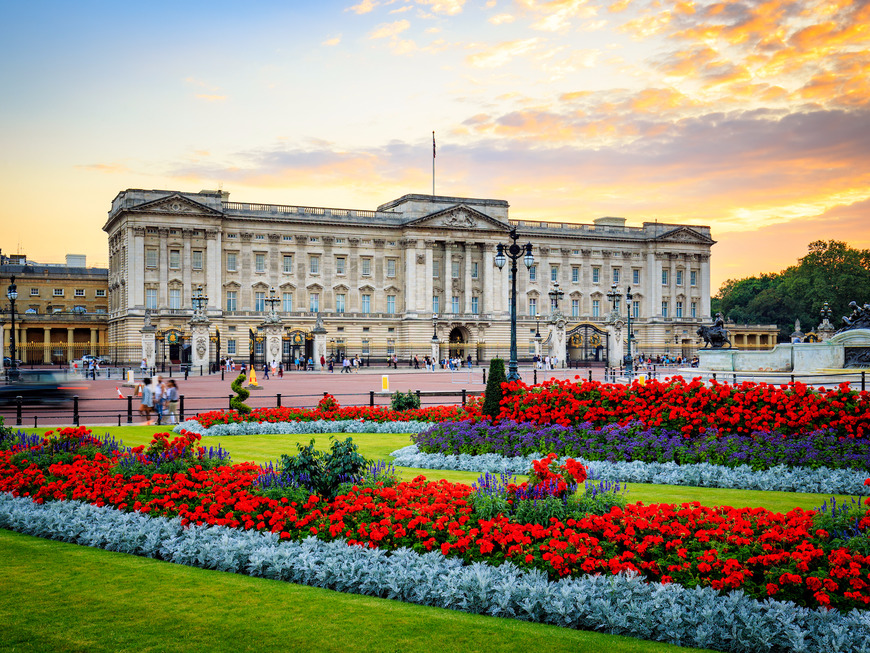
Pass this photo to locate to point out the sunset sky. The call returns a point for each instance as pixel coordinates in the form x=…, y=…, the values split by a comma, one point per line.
x=752, y=117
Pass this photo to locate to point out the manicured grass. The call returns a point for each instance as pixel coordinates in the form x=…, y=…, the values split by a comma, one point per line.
x=262, y=448
x=61, y=597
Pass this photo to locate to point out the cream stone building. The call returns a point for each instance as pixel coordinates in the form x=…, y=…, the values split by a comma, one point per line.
x=383, y=282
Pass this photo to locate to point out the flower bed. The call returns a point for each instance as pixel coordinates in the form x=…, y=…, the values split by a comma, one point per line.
x=301, y=428
x=821, y=480
x=329, y=410
x=759, y=552
x=622, y=604
x=691, y=408
x=634, y=441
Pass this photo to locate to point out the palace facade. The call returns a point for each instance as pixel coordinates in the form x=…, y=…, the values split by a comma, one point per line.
x=383, y=281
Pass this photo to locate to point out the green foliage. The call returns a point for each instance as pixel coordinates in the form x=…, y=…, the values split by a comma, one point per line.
x=494, y=394
x=405, y=401
x=293, y=493
x=238, y=402
x=488, y=506
x=595, y=504
x=323, y=473
x=831, y=272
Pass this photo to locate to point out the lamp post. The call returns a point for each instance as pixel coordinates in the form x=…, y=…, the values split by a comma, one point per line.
x=12, y=294
x=434, y=328
x=514, y=252
x=555, y=295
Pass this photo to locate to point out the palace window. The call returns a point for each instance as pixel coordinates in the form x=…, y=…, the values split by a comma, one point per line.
x=693, y=278
x=554, y=273
x=288, y=263
x=260, y=302
x=596, y=308
x=366, y=346
x=475, y=269
x=679, y=277
x=231, y=347
x=615, y=275
x=260, y=262
x=391, y=267
x=340, y=302
x=314, y=265
x=694, y=309
x=436, y=304
x=391, y=304
x=454, y=304
x=80, y=292
x=174, y=259
x=475, y=305
x=34, y=292
x=175, y=298
x=635, y=277
x=533, y=306
x=366, y=267
x=231, y=262
x=575, y=274
x=596, y=275
x=635, y=309
x=58, y=292
x=314, y=302
x=575, y=308
x=664, y=308
x=665, y=277
x=436, y=269
x=287, y=302
x=366, y=303
x=454, y=267
x=679, y=309
x=101, y=292
x=196, y=259
x=150, y=258
x=533, y=272
x=232, y=300
x=340, y=263
x=151, y=298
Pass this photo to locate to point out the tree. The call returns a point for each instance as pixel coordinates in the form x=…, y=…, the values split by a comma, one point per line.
x=493, y=395
x=831, y=272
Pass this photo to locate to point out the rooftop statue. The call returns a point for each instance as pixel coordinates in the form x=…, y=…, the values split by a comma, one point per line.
x=716, y=336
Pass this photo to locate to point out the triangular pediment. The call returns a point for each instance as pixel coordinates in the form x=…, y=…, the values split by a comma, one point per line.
x=460, y=217
x=685, y=235
x=174, y=204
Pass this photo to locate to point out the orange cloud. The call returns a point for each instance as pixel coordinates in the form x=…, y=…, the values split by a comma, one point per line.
x=502, y=53
x=387, y=30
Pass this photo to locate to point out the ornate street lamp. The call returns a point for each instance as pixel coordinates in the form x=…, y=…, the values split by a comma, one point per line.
x=434, y=328
x=12, y=294
x=514, y=253
x=555, y=295
x=629, y=366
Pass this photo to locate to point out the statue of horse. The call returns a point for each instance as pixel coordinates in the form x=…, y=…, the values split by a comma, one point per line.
x=714, y=337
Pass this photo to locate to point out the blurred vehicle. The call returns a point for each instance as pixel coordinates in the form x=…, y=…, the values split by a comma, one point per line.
x=39, y=387
x=7, y=362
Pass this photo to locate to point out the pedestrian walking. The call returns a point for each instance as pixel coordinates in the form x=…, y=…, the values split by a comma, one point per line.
x=266, y=371
x=147, y=399
x=171, y=401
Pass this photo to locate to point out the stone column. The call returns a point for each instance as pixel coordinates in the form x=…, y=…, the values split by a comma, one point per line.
x=429, y=284
x=93, y=342
x=705, y=287
x=186, y=267
x=486, y=278
x=46, y=344
x=468, y=287
x=136, y=266
x=214, y=265
x=163, y=269
x=410, y=285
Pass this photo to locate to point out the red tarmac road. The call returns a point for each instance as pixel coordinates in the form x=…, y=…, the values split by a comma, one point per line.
x=99, y=403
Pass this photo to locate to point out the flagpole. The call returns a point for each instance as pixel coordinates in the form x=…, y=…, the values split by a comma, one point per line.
x=433, y=164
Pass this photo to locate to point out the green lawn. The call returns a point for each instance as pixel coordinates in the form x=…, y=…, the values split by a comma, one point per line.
x=262, y=448
x=57, y=597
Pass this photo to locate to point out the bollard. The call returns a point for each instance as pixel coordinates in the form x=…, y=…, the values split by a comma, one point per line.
x=170, y=371
x=119, y=419
x=230, y=400
x=76, y=410
x=36, y=423
x=590, y=374
x=792, y=379
x=863, y=379
x=714, y=376
x=200, y=370
x=535, y=382
x=222, y=374
x=484, y=377
x=463, y=396
x=418, y=397
x=734, y=379
x=18, y=410
x=129, y=409
x=180, y=408
x=278, y=398
x=371, y=397
x=186, y=372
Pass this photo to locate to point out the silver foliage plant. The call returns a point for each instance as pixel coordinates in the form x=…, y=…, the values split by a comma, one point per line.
x=302, y=428
x=780, y=478
x=623, y=604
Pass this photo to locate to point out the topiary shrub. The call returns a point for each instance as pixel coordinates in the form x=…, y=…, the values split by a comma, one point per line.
x=494, y=394
x=238, y=402
x=405, y=401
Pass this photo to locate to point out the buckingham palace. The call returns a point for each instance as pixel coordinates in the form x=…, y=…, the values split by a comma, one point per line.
x=417, y=270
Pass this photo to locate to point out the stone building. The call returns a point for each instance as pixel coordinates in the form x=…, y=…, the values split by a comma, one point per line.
x=61, y=312
x=383, y=281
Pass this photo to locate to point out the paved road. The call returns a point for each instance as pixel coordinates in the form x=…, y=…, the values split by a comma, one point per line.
x=99, y=402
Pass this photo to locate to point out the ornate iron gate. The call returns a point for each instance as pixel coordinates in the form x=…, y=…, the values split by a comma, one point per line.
x=588, y=344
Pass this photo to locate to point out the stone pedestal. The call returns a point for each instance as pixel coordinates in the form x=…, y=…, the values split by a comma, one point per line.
x=149, y=342
x=274, y=333
x=319, y=332
x=199, y=350
x=557, y=340
x=436, y=351
x=615, y=341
